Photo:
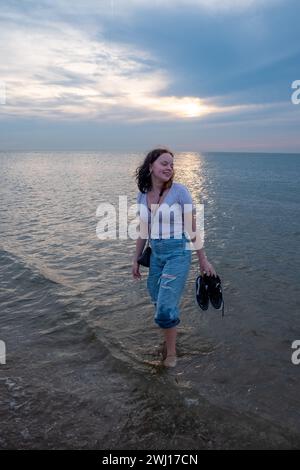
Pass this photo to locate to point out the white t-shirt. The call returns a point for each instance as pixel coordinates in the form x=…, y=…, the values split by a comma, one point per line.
x=168, y=220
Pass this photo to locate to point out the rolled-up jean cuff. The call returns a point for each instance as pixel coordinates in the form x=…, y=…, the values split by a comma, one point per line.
x=167, y=324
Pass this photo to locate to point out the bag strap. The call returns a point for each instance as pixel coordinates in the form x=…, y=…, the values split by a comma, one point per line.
x=160, y=195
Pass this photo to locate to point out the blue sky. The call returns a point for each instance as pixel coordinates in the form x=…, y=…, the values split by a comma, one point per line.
x=195, y=75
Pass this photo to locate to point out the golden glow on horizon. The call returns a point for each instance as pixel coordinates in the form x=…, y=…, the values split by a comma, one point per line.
x=186, y=107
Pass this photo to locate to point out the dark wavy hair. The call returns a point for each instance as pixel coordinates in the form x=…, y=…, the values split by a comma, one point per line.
x=142, y=173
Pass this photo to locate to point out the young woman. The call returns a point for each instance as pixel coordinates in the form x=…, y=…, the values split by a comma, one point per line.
x=170, y=259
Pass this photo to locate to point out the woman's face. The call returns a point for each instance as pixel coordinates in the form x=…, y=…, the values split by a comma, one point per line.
x=162, y=168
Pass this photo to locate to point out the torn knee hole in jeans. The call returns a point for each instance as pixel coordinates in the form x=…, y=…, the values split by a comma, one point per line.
x=168, y=278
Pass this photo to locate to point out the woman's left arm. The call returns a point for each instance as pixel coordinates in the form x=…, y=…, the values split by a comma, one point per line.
x=196, y=238
x=204, y=264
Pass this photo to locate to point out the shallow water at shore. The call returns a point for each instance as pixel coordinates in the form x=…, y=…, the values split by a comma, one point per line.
x=81, y=368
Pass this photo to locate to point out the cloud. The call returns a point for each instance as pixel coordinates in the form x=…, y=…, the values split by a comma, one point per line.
x=55, y=70
x=216, y=67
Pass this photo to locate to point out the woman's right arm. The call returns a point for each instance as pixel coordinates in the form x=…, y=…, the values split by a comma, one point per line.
x=139, y=246
x=140, y=243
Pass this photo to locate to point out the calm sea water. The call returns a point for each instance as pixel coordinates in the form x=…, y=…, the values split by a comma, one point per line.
x=78, y=328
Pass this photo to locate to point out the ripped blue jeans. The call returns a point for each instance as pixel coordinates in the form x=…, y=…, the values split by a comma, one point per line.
x=170, y=262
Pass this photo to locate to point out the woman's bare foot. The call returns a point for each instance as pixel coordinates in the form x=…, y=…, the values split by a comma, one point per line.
x=170, y=360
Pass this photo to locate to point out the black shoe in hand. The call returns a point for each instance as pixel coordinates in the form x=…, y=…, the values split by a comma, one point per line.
x=215, y=292
x=202, y=292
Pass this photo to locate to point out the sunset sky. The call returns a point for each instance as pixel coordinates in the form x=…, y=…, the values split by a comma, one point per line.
x=200, y=75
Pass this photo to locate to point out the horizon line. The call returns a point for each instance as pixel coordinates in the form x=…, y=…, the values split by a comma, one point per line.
x=146, y=151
